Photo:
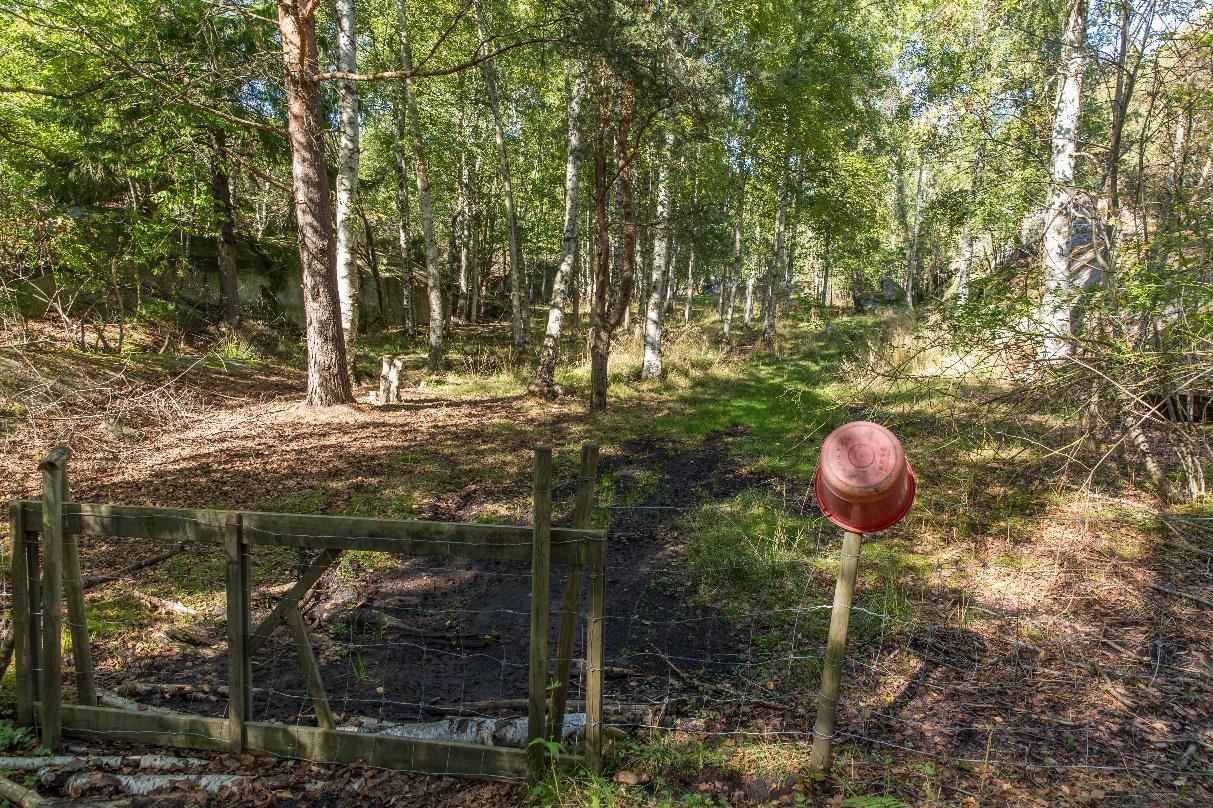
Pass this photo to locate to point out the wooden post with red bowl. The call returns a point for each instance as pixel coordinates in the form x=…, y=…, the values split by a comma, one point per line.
x=863, y=484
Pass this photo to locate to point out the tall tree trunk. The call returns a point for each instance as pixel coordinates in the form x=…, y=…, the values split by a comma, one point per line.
x=225, y=232
x=658, y=277
x=404, y=229
x=328, y=378
x=690, y=302
x=519, y=321
x=1058, y=293
x=433, y=270
x=669, y=281
x=825, y=269
x=776, y=271
x=471, y=311
x=347, y=179
x=735, y=271
x=748, y=311
x=912, y=247
x=604, y=323
x=545, y=374
x=466, y=249
x=959, y=289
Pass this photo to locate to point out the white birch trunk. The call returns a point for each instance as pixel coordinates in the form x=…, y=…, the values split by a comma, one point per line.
x=1058, y=293
x=778, y=261
x=686, y=314
x=519, y=321
x=433, y=272
x=651, y=367
x=545, y=374
x=404, y=230
x=735, y=272
x=912, y=251
x=347, y=179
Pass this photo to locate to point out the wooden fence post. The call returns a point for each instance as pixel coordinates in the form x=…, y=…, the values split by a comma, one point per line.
x=540, y=571
x=595, y=620
x=52, y=469
x=582, y=512
x=836, y=644
x=238, y=668
x=22, y=616
x=77, y=615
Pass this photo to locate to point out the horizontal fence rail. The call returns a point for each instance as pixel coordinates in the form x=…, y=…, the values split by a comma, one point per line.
x=458, y=539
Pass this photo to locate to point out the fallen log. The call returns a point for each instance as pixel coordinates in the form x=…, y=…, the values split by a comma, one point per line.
x=140, y=785
x=162, y=605
x=484, y=731
x=109, y=699
x=150, y=762
x=20, y=795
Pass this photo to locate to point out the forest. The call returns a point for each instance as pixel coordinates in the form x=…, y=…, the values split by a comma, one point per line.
x=284, y=282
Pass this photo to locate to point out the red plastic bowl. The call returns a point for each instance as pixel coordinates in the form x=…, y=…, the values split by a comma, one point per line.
x=864, y=482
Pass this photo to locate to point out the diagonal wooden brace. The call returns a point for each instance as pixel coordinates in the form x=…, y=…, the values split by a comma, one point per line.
x=291, y=599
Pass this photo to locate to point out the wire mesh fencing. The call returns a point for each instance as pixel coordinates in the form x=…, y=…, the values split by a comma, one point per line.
x=1068, y=664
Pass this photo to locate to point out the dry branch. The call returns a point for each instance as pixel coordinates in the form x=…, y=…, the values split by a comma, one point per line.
x=1187, y=595
x=152, y=560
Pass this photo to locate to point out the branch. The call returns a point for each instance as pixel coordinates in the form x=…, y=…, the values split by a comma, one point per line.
x=429, y=74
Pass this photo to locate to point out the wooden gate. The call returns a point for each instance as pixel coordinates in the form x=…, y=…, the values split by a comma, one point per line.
x=46, y=573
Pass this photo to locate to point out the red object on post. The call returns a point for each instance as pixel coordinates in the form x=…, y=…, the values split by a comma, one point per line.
x=864, y=482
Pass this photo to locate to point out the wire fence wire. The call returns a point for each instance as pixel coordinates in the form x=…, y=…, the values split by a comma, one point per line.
x=438, y=647
x=985, y=689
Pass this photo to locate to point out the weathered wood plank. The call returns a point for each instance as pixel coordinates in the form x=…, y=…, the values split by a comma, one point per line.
x=386, y=751
x=291, y=599
x=22, y=662
x=77, y=616
x=52, y=596
x=460, y=539
x=570, y=608
x=237, y=636
x=161, y=728
x=311, y=670
x=540, y=594
x=306, y=743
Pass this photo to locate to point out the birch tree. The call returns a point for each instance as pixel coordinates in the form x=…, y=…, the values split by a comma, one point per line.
x=519, y=321
x=347, y=178
x=735, y=270
x=777, y=269
x=403, y=221
x=1058, y=292
x=651, y=366
x=545, y=374
x=433, y=271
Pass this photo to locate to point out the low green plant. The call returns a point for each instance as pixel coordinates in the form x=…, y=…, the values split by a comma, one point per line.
x=13, y=736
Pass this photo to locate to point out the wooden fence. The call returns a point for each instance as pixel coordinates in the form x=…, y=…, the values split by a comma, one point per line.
x=46, y=572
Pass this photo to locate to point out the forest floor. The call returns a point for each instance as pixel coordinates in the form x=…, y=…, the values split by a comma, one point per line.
x=1014, y=642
